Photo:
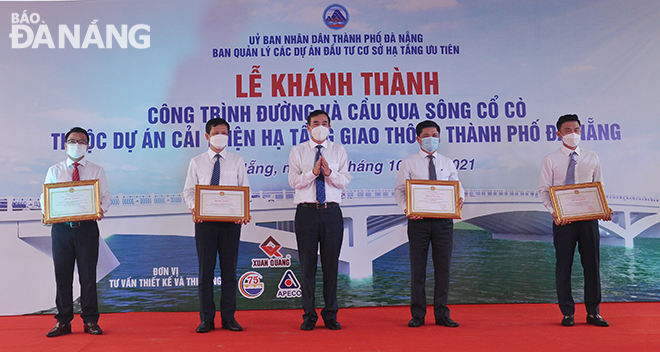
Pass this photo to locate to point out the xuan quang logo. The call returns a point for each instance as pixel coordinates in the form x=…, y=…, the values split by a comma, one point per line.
x=28, y=30
x=275, y=259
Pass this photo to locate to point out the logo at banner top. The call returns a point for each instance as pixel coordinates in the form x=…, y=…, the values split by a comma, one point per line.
x=250, y=285
x=335, y=16
x=271, y=247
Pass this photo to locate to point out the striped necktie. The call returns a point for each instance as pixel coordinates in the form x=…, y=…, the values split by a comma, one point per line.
x=76, y=173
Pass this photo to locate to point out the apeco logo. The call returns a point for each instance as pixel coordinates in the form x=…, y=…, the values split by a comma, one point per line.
x=30, y=31
x=250, y=285
x=289, y=286
x=335, y=16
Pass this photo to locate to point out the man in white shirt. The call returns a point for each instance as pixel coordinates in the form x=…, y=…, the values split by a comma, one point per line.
x=570, y=165
x=216, y=166
x=318, y=173
x=77, y=242
x=428, y=164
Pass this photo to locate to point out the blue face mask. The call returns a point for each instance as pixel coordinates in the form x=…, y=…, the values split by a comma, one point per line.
x=430, y=144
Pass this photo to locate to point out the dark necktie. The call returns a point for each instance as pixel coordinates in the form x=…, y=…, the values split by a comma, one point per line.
x=570, y=172
x=76, y=174
x=215, y=177
x=320, y=179
x=432, y=175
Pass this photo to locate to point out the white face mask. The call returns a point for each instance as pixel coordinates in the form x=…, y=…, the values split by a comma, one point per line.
x=219, y=140
x=430, y=144
x=76, y=151
x=320, y=133
x=572, y=139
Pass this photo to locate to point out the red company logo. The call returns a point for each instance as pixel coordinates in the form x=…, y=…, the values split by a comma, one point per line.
x=275, y=258
x=271, y=247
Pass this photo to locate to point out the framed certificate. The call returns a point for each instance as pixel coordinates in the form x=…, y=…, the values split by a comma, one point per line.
x=72, y=201
x=433, y=199
x=222, y=203
x=581, y=201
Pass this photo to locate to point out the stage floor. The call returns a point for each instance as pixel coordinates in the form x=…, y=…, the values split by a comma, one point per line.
x=492, y=327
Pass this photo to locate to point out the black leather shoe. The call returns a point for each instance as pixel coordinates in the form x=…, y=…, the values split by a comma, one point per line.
x=415, y=322
x=446, y=321
x=308, y=325
x=333, y=325
x=568, y=321
x=59, y=330
x=597, y=320
x=206, y=326
x=232, y=325
x=93, y=329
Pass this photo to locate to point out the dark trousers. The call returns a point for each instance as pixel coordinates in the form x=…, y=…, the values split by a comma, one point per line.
x=439, y=233
x=79, y=246
x=314, y=227
x=213, y=239
x=585, y=234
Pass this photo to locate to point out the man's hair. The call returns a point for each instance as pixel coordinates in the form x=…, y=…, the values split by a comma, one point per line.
x=424, y=124
x=215, y=122
x=316, y=113
x=567, y=118
x=76, y=130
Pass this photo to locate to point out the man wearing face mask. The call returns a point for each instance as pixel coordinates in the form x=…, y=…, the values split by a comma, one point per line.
x=428, y=164
x=216, y=166
x=318, y=173
x=571, y=164
x=77, y=242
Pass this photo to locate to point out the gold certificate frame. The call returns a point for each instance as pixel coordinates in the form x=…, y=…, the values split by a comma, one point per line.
x=221, y=203
x=72, y=201
x=433, y=199
x=581, y=201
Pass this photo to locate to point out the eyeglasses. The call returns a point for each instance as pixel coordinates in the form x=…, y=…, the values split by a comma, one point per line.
x=76, y=141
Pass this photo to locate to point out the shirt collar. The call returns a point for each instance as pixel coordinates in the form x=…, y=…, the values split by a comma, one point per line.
x=569, y=151
x=82, y=162
x=313, y=144
x=424, y=154
x=223, y=153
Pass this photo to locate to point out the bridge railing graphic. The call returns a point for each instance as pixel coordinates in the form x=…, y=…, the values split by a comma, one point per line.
x=374, y=224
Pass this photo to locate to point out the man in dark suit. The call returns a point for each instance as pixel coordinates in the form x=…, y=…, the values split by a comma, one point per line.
x=216, y=166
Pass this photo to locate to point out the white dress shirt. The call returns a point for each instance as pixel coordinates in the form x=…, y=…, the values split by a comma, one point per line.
x=416, y=167
x=302, y=180
x=87, y=170
x=555, y=164
x=200, y=170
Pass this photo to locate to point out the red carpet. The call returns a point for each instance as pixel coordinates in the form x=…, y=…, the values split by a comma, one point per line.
x=493, y=327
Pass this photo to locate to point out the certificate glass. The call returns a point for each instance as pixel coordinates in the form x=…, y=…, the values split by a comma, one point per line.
x=222, y=203
x=581, y=201
x=433, y=199
x=72, y=201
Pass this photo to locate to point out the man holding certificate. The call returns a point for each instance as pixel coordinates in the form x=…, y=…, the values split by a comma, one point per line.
x=219, y=167
x=569, y=165
x=76, y=242
x=318, y=173
x=427, y=165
